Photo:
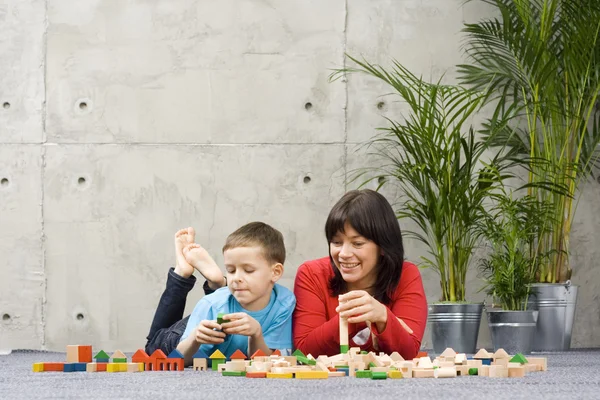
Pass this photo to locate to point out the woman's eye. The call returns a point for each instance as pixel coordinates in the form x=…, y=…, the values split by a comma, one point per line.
x=336, y=243
x=358, y=244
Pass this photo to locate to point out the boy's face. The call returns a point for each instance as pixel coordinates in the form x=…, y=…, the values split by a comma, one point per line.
x=250, y=276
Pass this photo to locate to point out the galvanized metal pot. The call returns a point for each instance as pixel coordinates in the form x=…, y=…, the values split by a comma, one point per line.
x=512, y=331
x=556, y=304
x=455, y=326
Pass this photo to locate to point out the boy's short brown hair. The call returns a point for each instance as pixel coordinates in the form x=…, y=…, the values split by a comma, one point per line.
x=259, y=234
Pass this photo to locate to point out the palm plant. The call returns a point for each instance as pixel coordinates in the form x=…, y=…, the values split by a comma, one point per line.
x=434, y=156
x=511, y=226
x=539, y=61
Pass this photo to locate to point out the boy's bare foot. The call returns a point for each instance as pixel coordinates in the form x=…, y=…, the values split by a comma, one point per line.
x=183, y=238
x=198, y=257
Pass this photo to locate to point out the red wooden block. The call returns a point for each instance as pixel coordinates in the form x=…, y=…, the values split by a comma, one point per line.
x=54, y=367
x=276, y=353
x=421, y=354
x=258, y=353
x=174, y=364
x=238, y=355
x=101, y=367
x=85, y=354
x=256, y=374
x=140, y=356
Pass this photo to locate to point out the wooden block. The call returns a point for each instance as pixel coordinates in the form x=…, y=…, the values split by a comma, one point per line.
x=312, y=375
x=200, y=364
x=444, y=372
x=501, y=361
x=500, y=354
x=234, y=373
x=483, y=370
x=516, y=372
x=422, y=373
x=116, y=367
x=498, y=371
x=336, y=374
x=474, y=363
x=395, y=374
x=425, y=362
x=101, y=367
x=321, y=366
x=446, y=364
x=532, y=368
x=379, y=375
x=271, y=375
x=38, y=367
x=449, y=352
x=541, y=361
x=460, y=358
x=91, y=367
x=406, y=367
x=462, y=370
x=221, y=367
x=396, y=356
x=235, y=366
x=379, y=369
x=135, y=367
x=73, y=353
x=54, y=367
x=85, y=354
x=256, y=374
x=291, y=359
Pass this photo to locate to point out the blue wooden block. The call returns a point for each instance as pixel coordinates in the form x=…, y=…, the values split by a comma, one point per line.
x=81, y=367
x=176, y=354
x=345, y=370
x=486, y=361
x=102, y=360
x=69, y=367
x=75, y=367
x=200, y=354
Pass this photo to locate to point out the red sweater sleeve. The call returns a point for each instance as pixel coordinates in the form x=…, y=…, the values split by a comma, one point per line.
x=409, y=304
x=313, y=332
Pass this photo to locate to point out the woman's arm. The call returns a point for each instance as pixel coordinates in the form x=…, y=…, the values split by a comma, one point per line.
x=410, y=306
x=313, y=332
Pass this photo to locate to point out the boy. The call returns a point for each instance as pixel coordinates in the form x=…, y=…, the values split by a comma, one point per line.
x=257, y=309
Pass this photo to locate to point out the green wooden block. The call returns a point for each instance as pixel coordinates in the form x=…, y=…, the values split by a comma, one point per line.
x=392, y=368
x=119, y=360
x=344, y=348
x=372, y=365
x=364, y=352
x=473, y=371
x=298, y=353
x=220, y=319
x=519, y=358
x=379, y=375
x=216, y=362
x=306, y=361
x=234, y=373
x=364, y=374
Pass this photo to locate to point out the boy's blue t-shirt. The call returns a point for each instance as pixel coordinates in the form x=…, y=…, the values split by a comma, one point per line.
x=275, y=320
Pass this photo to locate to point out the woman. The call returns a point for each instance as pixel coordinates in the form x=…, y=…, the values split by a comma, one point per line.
x=380, y=294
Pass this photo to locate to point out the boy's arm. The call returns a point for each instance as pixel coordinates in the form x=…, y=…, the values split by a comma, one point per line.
x=188, y=347
x=258, y=342
x=188, y=344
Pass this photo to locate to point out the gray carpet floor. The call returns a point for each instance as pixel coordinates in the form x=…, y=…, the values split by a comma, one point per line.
x=570, y=375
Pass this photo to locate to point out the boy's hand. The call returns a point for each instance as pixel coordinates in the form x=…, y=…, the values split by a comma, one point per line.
x=206, y=334
x=241, y=324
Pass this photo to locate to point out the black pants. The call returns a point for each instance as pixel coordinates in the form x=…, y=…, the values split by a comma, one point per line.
x=168, y=326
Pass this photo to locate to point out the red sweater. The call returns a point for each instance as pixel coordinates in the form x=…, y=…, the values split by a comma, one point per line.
x=316, y=325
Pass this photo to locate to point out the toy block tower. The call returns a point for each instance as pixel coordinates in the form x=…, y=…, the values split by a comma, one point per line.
x=140, y=356
x=157, y=361
x=102, y=357
x=217, y=358
x=200, y=360
x=79, y=354
x=119, y=357
x=174, y=361
x=238, y=355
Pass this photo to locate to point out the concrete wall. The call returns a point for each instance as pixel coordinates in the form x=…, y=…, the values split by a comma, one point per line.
x=121, y=122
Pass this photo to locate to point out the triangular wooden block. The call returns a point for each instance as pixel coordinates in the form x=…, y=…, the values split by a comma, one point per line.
x=449, y=352
x=200, y=354
x=102, y=355
x=519, y=358
x=118, y=354
x=482, y=354
x=500, y=354
x=276, y=353
x=258, y=353
x=217, y=355
x=396, y=356
x=238, y=355
x=158, y=354
x=140, y=356
x=175, y=354
x=298, y=353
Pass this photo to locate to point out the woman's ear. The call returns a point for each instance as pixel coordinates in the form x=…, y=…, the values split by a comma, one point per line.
x=277, y=272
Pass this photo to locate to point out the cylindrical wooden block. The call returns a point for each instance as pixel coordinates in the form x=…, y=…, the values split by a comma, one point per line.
x=445, y=372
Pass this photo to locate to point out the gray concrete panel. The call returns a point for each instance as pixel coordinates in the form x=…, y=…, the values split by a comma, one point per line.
x=111, y=212
x=22, y=50
x=21, y=254
x=194, y=71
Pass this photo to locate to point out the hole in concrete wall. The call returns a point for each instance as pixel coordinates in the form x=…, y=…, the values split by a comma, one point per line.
x=81, y=180
x=307, y=179
x=80, y=316
x=6, y=105
x=4, y=182
x=381, y=105
x=308, y=106
x=6, y=317
x=83, y=105
x=381, y=180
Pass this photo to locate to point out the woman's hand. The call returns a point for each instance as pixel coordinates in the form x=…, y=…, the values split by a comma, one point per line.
x=359, y=306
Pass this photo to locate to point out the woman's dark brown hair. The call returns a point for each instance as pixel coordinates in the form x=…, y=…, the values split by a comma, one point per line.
x=372, y=216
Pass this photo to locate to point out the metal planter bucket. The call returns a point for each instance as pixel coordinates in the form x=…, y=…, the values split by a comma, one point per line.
x=556, y=305
x=512, y=331
x=455, y=326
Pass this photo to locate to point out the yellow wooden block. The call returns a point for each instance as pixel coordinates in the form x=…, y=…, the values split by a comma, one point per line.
x=116, y=367
x=395, y=375
x=280, y=376
x=38, y=367
x=312, y=375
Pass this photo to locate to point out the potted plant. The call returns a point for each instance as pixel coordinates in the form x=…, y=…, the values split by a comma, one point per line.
x=434, y=156
x=511, y=227
x=540, y=62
